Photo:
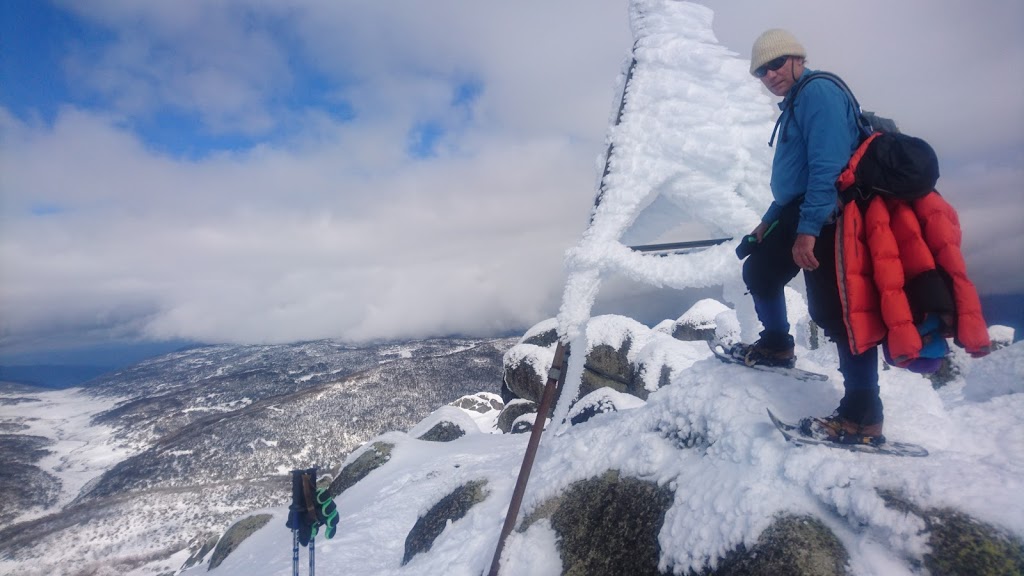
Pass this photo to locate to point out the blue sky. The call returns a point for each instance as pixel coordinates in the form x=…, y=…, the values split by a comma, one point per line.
x=248, y=171
x=34, y=38
x=44, y=45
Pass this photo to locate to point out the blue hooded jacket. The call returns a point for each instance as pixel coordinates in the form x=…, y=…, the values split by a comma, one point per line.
x=812, y=149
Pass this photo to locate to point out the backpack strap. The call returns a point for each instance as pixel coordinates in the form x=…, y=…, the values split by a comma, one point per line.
x=862, y=123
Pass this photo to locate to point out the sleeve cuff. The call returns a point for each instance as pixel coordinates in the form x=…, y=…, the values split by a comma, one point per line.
x=808, y=228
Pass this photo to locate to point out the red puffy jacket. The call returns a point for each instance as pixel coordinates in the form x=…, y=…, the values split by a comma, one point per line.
x=892, y=249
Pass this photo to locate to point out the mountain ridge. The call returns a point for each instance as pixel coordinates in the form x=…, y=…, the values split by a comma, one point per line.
x=216, y=429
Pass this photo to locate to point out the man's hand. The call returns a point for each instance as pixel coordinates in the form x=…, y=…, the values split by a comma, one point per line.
x=759, y=231
x=803, y=252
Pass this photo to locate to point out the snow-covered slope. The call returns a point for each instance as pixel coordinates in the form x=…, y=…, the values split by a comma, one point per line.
x=136, y=472
x=705, y=436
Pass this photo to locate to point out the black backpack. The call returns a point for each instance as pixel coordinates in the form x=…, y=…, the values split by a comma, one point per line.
x=887, y=161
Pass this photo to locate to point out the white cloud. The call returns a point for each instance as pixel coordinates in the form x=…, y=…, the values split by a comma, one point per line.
x=273, y=246
x=218, y=60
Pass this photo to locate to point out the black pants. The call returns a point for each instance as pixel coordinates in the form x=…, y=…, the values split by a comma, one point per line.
x=767, y=271
x=770, y=266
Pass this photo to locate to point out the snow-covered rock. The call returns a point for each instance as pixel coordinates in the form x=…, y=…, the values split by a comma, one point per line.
x=698, y=323
x=1001, y=336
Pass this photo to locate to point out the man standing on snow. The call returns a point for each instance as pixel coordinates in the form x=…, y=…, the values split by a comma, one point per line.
x=818, y=134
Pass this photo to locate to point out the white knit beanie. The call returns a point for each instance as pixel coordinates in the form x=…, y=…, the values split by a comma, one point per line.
x=772, y=44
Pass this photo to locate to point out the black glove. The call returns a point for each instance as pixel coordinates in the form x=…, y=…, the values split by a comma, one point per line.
x=749, y=242
x=747, y=245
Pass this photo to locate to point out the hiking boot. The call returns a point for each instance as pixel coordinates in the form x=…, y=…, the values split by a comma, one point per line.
x=836, y=428
x=770, y=350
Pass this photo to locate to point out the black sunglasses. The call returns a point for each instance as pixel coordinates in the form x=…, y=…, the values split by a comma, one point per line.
x=773, y=65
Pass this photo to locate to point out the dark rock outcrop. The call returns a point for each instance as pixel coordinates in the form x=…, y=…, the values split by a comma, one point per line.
x=236, y=535
x=512, y=411
x=608, y=367
x=443, y=431
x=795, y=545
x=961, y=544
x=698, y=323
x=600, y=401
x=376, y=456
x=543, y=339
x=201, y=545
x=521, y=377
x=524, y=424
x=452, y=507
x=608, y=525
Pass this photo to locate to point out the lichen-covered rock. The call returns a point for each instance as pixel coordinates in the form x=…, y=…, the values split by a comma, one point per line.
x=960, y=544
x=608, y=367
x=443, y=431
x=792, y=545
x=236, y=535
x=512, y=411
x=616, y=343
x=374, y=457
x=607, y=525
x=452, y=507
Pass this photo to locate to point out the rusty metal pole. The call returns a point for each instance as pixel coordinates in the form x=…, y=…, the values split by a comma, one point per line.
x=556, y=377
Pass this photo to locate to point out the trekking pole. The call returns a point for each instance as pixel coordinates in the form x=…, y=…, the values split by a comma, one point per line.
x=294, y=511
x=556, y=377
x=302, y=515
x=312, y=556
x=295, y=552
x=308, y=484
